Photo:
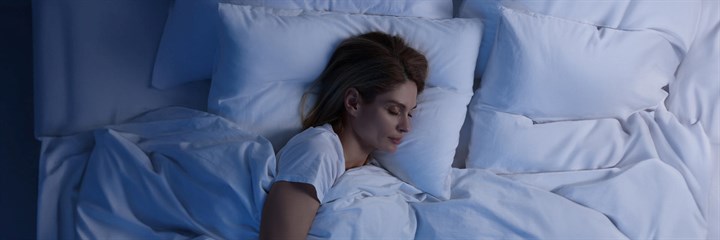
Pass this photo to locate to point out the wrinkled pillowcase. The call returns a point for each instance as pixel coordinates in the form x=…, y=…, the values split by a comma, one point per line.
x=629, y=15
x=549, y=69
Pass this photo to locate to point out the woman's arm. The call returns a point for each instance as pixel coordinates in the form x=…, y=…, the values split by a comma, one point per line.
x=289, y=211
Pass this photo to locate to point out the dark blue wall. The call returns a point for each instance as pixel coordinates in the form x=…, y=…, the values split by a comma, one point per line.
x=19, y=151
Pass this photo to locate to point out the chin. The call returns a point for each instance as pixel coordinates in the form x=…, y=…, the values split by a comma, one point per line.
x=391, y=148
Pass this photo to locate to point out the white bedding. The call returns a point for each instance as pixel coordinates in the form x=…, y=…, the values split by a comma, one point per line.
x=93, y=70
x=174, y=162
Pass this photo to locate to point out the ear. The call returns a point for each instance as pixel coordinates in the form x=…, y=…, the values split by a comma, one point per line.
x=351, y=101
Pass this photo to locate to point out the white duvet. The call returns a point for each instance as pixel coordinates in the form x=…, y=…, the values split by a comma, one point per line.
x=179, y=173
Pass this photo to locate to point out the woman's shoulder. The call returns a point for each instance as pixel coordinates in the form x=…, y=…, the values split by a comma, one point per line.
x=314, y=138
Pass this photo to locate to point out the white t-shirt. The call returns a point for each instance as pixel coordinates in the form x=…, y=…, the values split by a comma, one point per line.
x=314, y=156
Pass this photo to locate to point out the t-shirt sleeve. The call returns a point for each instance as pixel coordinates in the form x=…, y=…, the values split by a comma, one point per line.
x=310, y=162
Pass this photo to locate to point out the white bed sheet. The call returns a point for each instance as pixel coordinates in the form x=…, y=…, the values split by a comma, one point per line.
x=174, y=172
x=62, y=162
x=154, y=178
x=695, y=98
x=615, y=205
x=695, y=94
x=683, y=149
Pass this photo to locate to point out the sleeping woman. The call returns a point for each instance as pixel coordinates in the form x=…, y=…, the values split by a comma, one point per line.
x=365, y=99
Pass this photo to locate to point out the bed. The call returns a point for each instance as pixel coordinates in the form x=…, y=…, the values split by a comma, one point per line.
x=540, y=119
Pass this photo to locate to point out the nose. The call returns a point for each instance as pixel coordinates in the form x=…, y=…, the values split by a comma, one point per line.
x=404, y=124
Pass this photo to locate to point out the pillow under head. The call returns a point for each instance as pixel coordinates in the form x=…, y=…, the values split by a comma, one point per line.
x=268, y=59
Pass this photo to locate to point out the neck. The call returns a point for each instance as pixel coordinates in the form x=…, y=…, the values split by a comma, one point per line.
x=355, y=153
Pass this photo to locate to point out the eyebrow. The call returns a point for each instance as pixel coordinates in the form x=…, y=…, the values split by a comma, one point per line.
x=401, y=105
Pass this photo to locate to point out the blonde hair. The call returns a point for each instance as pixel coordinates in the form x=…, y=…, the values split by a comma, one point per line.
x=372, y=63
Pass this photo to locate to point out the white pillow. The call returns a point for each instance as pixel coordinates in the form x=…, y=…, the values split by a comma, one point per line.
x=509, y=143
x=675, y=20
x=268, y=58
x=188, y=45
x=548, y=68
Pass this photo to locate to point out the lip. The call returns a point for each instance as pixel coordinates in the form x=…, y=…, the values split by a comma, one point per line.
x=395, y=141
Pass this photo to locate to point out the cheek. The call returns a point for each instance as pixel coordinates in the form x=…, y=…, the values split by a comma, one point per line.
x=376, y=125
x=384, y=124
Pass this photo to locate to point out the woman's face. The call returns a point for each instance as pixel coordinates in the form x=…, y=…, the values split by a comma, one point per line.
x=382, y=124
